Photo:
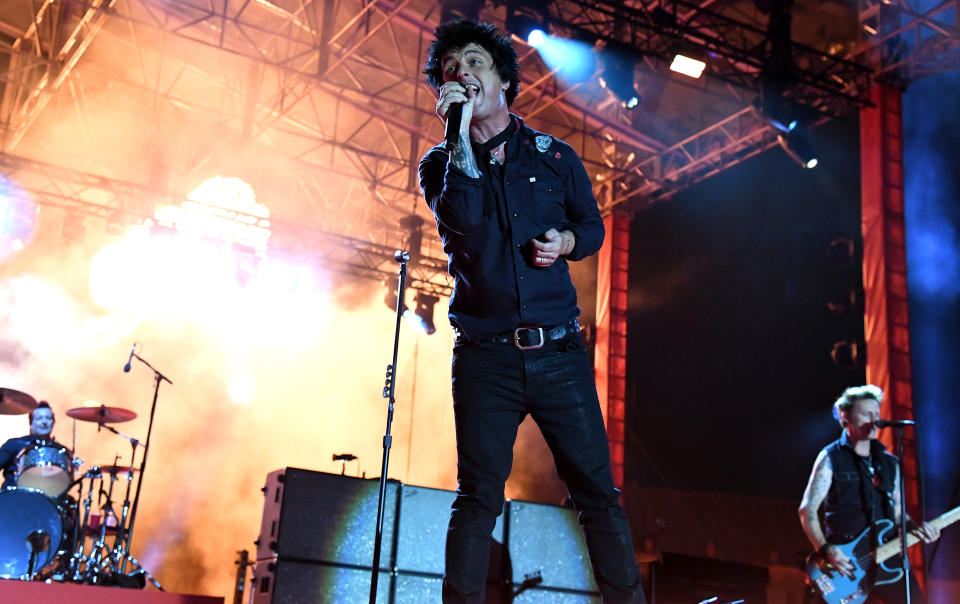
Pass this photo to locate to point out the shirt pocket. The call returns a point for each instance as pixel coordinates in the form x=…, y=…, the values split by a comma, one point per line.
x=847, y=485
x=549, y=201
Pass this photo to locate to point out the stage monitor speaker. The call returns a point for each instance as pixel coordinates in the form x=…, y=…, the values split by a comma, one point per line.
x=298, y=582
x=548, y=540
x=314, y=516
x=422, y=532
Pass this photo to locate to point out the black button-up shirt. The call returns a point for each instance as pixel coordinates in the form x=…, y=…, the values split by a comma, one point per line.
x=486, y=227
x=8, y=456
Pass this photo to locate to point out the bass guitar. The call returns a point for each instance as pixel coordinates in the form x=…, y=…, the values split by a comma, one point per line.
x=868, y=552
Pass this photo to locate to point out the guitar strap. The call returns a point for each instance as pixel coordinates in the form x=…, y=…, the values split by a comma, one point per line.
x=877, y=452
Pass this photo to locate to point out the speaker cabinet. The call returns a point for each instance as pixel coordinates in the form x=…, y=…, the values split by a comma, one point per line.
x=317, y=534
x=422, y=531
x=547, y=539
x=283, y=581
x=325, y=518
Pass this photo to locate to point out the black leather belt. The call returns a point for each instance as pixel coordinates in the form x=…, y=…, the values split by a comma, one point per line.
x=532, y=338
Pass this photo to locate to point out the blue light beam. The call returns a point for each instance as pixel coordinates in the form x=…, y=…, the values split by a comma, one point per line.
x=573, y=60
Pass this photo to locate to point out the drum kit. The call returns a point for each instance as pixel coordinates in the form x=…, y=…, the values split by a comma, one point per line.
x=55, y=526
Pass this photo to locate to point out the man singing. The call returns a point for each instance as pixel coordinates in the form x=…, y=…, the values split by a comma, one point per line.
x=513, y=207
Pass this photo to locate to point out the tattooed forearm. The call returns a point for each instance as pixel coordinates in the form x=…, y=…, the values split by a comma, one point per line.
x=816, y=492
x=462, y=157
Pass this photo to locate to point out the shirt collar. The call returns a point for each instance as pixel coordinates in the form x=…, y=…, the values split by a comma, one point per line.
x=875, y=445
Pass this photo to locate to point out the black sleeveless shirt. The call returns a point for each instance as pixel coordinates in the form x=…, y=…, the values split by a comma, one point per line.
x=861, y=491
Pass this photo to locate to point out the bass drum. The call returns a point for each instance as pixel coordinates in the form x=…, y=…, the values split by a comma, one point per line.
x=27, y=515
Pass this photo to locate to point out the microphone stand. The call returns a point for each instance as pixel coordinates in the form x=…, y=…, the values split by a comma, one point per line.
x=157, y=378
x=389, y=389
x=905, y=561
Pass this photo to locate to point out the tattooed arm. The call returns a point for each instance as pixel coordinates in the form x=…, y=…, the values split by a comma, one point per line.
x=813, y=497
x=820, y=479
x=462, y=156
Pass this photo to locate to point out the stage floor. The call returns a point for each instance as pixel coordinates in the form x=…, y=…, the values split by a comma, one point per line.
x=36, y=592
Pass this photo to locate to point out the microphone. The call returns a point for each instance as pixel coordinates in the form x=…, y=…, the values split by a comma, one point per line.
x=452, y=132
x=126, y=368
x=401, y=256
x=894, y=423
x=344, y=457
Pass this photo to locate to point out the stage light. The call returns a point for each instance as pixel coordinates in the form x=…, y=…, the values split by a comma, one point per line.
x=221, y=208
x=688, y=65
x=798, y=147
x=536, y=38
x=18, y=217
x=424, y=312
x=780, y=112
x=617, y=76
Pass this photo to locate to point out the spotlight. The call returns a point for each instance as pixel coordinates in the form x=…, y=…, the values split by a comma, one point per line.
x=686, y=63
x=798, y=147
x=423, y=316
x=617, y=76
x=779, y=112
x=536, y=38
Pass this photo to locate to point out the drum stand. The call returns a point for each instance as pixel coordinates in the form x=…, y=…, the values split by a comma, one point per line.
x=158, y=378
x=108, y=565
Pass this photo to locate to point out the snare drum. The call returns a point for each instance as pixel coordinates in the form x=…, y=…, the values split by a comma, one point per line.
x=28, y=513
x=45, y=465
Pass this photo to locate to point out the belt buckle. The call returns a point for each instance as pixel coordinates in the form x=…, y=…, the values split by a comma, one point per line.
x=516, y=338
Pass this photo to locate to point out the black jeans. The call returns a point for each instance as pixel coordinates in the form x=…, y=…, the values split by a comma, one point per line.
x=495, y=386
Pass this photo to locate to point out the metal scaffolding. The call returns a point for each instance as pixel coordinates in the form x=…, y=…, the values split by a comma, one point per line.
x=335, y=88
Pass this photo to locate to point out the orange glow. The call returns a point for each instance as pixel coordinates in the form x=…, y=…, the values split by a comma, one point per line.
x=221, y=208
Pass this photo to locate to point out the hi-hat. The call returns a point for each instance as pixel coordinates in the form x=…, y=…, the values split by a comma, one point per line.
x=14, y=402
x=102, y=414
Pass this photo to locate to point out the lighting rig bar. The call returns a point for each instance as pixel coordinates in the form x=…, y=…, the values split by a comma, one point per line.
x=907, y=43
x=125, y=203
x=829, y=84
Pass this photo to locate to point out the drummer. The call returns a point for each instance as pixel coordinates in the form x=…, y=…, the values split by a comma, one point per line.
x=41, y=425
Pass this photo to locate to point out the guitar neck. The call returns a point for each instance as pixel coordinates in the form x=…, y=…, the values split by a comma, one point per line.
x=892, y=548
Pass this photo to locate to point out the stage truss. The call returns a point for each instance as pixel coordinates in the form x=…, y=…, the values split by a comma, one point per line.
x=335, y=88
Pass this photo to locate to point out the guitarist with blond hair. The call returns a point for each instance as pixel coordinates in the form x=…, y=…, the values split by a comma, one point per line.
x=854, y=480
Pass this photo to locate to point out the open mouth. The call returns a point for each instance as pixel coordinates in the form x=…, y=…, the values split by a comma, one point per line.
x=472, y=88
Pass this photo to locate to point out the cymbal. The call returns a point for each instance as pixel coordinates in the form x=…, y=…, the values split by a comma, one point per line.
x=117, y=469
x=102, y=414
x=14, y=402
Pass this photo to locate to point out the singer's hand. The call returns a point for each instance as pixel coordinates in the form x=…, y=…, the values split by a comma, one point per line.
x=550, y=246
x=455, y=92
